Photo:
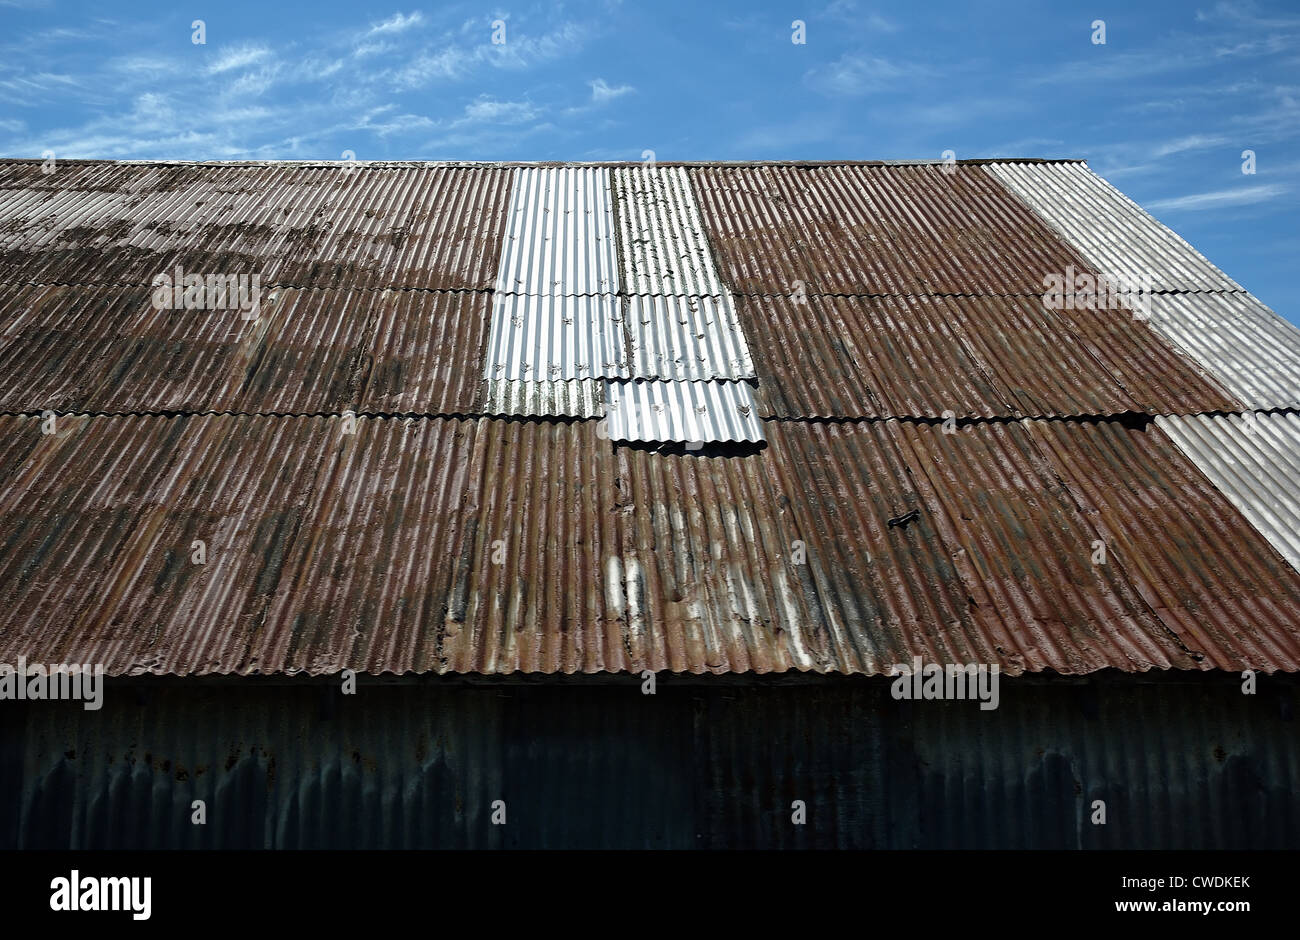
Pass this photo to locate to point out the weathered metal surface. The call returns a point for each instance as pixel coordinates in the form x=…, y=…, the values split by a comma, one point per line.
x=1219, y=587
x=1116, y=235
x=542, y=338
x=1255, y=460
x=313, y=351
x=578, y=398
x=560, y=237
x=416, y=226
x=1189, y=763
x=695, y=412
x=874, y=230
x=687, y=338
x=664, y=249
x=500, y=546
x=1248, y=347
x=1021, y=552
x=964, y=357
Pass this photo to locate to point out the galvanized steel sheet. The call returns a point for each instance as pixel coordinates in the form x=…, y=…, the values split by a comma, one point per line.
x=687, y=338
x=1116, y=235
x=559, y=239
x=1254, y=458
x=664, y=249
x=578, y=398
x=544, y=338
x=694, y=412
x=1244, y=344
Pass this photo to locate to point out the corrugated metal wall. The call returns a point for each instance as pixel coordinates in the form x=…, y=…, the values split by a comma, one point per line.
x=1180, y=764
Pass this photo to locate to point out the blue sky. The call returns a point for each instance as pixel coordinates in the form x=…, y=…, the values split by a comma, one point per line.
x=1163, y=109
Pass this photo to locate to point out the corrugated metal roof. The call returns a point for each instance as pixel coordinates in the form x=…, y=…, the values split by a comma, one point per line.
x=874, y=230
x=1255, y=460
x=665, y=251
x=1248, y=347
x=560, y=237
x=432, y=227
x=550, y=338
x=1219, y=587
x=971, y=356
x=311, y=351
x=579, y=398
x=687, y=338
x=457, y=543
x=1115, y=234
x=495, y=546
x=696, y=412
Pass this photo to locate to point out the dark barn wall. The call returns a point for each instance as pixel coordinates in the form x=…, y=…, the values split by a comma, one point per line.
x=1184, y=761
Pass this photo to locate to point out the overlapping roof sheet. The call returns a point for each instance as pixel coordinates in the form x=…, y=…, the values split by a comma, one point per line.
x=601, y=427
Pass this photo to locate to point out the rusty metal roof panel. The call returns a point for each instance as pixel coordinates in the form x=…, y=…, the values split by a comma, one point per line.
x=687, y=338
x=544, y=338
x=496, y=546
x=1244, y=344
x=1254, y=458
x=664, y=249
x=1221, y=590
x=874, y=230
x=78, y=348
x=693, y=412
x=559, y=237
x=429, y=227
x=1113, y=232
x=1022, y=554
x=965, y=356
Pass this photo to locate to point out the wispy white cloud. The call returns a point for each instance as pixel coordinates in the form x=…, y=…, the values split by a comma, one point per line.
x=602, y=91
x=1189, y=143
x=239, y=57
x=397, y=23
x=1220, y=199
x=855, y=74
x=519, y=51
x=485, y=110
x=850, y=13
